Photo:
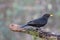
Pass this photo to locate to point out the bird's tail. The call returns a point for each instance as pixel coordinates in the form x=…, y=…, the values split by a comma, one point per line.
x=24, y=26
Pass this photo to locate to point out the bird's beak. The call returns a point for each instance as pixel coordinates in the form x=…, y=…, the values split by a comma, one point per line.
x=51, y=14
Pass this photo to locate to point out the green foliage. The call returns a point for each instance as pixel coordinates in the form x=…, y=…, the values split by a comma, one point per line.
x=58, y=13
x=1, y=15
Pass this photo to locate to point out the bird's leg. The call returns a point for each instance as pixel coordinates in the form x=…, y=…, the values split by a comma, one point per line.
x=37, y=29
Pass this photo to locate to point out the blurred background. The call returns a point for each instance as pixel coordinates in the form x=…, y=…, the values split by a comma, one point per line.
x=22, y=11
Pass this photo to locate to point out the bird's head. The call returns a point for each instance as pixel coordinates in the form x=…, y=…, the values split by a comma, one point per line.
x=47, y=15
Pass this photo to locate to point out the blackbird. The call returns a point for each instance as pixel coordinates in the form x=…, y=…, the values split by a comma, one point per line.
x=40, y=22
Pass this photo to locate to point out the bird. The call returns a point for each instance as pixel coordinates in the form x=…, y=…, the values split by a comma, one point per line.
x=40, y=22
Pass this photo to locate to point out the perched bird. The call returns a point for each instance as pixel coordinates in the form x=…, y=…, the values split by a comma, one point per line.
x=40, y=22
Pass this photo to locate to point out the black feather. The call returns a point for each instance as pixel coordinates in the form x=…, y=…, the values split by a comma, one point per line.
x=40, y=22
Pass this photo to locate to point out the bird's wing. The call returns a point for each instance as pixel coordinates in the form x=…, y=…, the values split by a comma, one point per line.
x=42, y=21
x=38, y=21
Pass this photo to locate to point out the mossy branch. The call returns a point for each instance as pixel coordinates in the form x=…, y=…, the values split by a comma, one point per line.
x=36, y=34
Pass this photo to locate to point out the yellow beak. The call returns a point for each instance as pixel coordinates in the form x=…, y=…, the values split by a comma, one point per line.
x=51, y=14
